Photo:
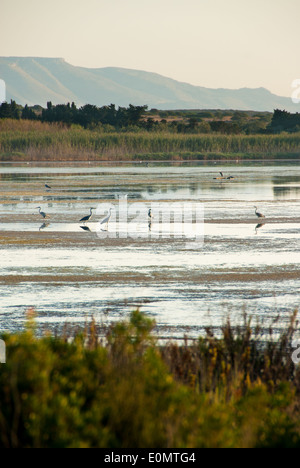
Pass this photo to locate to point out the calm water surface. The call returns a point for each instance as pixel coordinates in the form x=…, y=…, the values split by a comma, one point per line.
x=184, y=274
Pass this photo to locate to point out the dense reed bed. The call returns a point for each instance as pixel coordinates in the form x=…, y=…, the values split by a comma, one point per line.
x=29, y=140
x=116, y=387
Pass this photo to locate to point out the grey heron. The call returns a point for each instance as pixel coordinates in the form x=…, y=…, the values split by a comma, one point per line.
x=259, y=215
x=44, y=215
x=218, y=178
x=85, y=219
x=224, y=177
x=107, y=218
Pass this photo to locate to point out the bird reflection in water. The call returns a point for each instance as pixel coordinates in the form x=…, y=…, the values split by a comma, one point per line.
x=259, y=226
x=86, y=228
x=150, y=218
x=44, y=226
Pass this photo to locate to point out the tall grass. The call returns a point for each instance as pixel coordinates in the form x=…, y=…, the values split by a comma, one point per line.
x=129, y=392
x=36, y=140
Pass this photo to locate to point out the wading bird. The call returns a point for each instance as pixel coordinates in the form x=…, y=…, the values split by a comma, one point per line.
x=42, y=213
x=259, y=215
x=222, y=176
x=106, y=220
x=48, y=187
x=85, y=219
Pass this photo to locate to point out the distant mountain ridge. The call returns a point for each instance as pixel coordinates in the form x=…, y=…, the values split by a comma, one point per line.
x=36, y=80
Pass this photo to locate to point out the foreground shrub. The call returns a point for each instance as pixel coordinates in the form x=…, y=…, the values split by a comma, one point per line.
x=132, y=393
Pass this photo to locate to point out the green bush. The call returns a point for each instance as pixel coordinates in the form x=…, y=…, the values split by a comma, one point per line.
x=132, y=393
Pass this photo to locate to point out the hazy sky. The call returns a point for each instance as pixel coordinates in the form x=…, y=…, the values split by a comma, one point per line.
x=212, y=43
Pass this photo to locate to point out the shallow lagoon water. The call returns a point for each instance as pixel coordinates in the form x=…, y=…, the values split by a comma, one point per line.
x=186, y=274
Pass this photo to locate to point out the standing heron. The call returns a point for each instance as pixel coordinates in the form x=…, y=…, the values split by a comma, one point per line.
x=85, y=219
x=44, y=215
x=218, y=178
x=48, y=187
x=259, y=215
x=106, y=220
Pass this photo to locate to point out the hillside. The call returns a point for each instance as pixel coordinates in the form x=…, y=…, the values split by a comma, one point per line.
x=32, y=81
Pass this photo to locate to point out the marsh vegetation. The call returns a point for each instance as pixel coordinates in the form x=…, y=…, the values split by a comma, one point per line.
x=63, y=132
x=36, y=141
x=126, y=390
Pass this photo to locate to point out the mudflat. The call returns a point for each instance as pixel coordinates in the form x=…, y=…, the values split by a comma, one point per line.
x=186, y=272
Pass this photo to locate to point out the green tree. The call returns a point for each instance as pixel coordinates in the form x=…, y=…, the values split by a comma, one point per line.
x=28, y=113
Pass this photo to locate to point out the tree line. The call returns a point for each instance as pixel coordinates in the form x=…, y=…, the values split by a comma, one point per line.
x=138, y=117
x=69, y=114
